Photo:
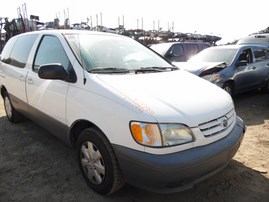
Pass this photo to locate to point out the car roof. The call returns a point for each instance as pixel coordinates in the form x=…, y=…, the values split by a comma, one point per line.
x=237, y=46
x=70, y=31
x=255, y=38
x=180, y=42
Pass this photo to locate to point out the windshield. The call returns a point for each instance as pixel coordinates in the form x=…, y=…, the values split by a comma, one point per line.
x=215, y=55
x=110, y=52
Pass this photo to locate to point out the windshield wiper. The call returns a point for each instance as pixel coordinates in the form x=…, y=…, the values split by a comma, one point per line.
x=154, y=69
x=107, y=70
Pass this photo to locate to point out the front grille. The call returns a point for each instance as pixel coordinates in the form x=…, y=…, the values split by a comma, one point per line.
x=218, y=125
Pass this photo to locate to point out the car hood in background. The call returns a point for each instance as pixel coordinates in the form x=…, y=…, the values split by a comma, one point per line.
x=175, y=96
x=197, y=67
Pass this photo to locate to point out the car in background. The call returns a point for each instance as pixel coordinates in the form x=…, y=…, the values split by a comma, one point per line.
x=261, y=39
x=179, y=51
x=235, y=68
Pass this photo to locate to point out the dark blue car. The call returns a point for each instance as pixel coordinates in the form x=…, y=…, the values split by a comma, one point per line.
x=235, y=68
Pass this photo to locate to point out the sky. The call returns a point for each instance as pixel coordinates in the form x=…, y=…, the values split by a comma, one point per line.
x=229, y=19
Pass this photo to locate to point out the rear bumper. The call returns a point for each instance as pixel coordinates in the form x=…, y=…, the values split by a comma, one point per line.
x=178, y=171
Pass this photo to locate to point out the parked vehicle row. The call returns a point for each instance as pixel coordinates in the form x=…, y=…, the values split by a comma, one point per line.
x=131, y=115
x=235, y=68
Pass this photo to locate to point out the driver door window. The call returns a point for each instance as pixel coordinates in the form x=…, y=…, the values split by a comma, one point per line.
x=50, y=51
x=245, y=56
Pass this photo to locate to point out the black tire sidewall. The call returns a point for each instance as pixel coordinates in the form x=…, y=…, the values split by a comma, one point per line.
x=93, y=135
x=12, y=118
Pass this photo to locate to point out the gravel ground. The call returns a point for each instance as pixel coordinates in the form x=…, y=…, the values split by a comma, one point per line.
x=35, y=166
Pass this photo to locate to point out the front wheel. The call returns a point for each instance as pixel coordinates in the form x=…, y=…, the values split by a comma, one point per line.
x=98, y=163
x=12, y=115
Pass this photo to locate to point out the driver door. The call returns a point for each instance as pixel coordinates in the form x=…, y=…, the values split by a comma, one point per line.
x=244, y=70
x=47, y=98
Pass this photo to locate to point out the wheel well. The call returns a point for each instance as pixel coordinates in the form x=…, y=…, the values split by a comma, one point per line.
x=77, y=128
x=231, y=82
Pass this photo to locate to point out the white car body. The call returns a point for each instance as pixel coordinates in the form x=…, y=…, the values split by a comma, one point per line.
x=112, y=101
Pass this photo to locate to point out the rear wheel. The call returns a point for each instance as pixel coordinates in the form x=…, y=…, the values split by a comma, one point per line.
x=98, y=163
x=228, y=88
x=12, y=115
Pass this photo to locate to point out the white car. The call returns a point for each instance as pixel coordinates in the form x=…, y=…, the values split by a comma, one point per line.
x=132, y=116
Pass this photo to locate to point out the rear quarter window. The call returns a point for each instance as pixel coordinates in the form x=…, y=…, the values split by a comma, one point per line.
x=203, y=46
x=260, y=54
x=21, y=49
x=7, y=50
x=191, y=50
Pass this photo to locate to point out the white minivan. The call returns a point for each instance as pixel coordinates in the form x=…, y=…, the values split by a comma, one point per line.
x=131, y=115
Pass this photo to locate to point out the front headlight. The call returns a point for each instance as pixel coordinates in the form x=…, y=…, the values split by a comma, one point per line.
x=161, y=135
x=212, y=78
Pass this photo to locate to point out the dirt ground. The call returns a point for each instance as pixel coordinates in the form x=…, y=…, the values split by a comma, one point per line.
x=35, y=166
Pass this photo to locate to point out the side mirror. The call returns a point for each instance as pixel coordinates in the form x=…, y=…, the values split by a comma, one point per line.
x=55, y=72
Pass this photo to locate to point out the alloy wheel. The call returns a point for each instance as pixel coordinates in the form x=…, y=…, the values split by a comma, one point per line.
x=92, y=163
x=8, y=107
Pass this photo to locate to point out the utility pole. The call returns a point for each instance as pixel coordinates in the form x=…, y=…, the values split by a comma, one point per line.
x=97, y=20
x=118, y=21
x=25, y=17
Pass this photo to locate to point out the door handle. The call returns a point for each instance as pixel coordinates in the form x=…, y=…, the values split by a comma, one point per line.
x=21, y=78
x=253, y=68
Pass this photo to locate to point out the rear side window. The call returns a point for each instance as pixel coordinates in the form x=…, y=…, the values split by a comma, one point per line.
x=21, y=50
x=7, y=50
x=203, y=46
x=191, y=49
x=260, y=54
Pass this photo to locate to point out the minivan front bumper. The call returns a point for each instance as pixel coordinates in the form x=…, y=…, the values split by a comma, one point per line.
x=179, y=171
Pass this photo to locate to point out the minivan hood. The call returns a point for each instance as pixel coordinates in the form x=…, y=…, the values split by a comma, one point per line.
x=196, y=67
x=176, y=96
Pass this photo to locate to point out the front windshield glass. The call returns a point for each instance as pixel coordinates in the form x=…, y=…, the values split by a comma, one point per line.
x=107, y=51
x=215, y=55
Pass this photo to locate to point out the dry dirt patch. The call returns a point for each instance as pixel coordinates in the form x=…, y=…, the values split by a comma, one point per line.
x=35, y=166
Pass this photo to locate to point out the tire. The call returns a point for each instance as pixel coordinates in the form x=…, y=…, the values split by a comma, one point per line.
x=12, y=115
x=228, y=88
x=265, y=89
x=98, y=163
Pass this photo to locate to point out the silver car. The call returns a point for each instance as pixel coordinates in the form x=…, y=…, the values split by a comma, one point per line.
x=235, y=68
